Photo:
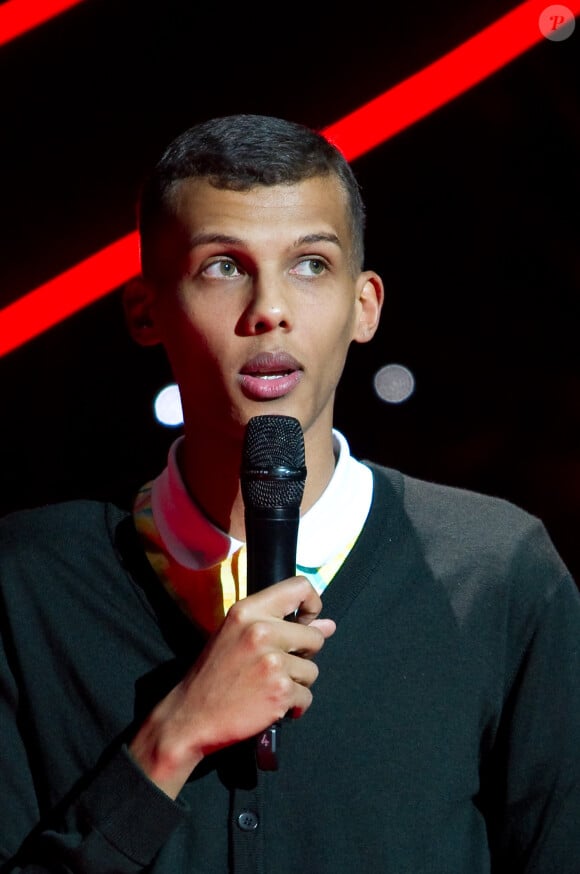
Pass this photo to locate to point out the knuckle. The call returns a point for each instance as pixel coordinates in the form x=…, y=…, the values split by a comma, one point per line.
x=238, y=614
x=257, y=634
x=271, y=666
x=283, y=687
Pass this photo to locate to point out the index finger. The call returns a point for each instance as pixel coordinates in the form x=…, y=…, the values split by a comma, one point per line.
x=293, y=598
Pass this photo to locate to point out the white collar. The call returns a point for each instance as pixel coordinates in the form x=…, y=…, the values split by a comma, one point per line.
x=332, y=522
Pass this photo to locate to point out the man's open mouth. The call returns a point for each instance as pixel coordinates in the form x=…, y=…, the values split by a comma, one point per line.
x=270, y=375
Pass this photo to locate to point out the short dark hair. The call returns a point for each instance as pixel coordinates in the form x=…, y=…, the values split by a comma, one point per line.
x=241, y=152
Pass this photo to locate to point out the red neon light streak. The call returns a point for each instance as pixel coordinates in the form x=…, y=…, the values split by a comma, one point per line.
x=355, y=134
x=69, y=292
x=19, y=16
x=442, y=81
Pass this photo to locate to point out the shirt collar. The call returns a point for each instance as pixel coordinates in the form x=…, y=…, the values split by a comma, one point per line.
x=334, y=520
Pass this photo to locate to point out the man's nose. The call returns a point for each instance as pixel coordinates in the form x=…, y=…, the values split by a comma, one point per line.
x=267, y=308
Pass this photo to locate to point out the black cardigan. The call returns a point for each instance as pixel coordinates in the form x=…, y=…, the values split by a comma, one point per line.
x=444, y=736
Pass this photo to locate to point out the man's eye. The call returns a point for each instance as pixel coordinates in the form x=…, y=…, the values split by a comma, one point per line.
x=310, y=267
x=221, y=269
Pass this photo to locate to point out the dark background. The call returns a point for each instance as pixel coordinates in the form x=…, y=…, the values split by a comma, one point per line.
x=473, y=221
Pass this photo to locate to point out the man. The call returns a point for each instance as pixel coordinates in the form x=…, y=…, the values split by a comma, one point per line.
x=430, y=688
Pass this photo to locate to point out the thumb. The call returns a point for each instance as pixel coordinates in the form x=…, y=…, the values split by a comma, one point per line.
x=326, y=626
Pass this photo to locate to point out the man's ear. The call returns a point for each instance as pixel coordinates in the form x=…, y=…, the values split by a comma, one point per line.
x=370, y=296
x=138, y=298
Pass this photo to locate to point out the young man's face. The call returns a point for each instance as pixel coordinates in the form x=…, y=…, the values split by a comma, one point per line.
x=256, y=301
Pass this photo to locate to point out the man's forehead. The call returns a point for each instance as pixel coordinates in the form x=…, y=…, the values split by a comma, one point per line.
x=315, y=206
x=317, y=192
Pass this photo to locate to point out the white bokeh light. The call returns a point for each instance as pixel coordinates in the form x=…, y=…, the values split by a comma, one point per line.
x=394, y=383
x=167, y=406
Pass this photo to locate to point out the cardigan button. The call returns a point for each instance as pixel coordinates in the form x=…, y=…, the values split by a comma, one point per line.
x=247, y=821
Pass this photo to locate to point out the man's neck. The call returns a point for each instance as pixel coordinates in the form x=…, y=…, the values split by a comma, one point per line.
x=211, y=472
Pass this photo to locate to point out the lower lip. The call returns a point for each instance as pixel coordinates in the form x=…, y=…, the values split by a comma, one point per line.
x=259, y=389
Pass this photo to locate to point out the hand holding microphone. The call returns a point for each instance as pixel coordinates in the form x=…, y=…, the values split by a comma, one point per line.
x=273, y=476
x=257, y=666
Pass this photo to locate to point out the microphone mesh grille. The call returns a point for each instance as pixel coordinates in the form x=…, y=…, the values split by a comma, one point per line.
x=273, y=463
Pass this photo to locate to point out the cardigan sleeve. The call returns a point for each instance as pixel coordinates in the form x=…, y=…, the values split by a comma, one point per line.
x=117, y=820
x=534, y=810
x=111, y=817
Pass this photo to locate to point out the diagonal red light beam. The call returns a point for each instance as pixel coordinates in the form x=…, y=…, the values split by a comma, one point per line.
x=355, y=134
x=69, y=292
x=19, y=16
x=442, y=81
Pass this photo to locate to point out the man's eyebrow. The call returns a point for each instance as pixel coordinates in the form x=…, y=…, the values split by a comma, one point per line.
x=206, y=238
x=307, y=239
x=203, y=239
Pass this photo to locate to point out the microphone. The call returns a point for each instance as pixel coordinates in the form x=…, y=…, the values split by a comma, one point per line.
x=272, y=479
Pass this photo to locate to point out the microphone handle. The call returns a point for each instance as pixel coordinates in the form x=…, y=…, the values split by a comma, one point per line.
x=271, y=539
